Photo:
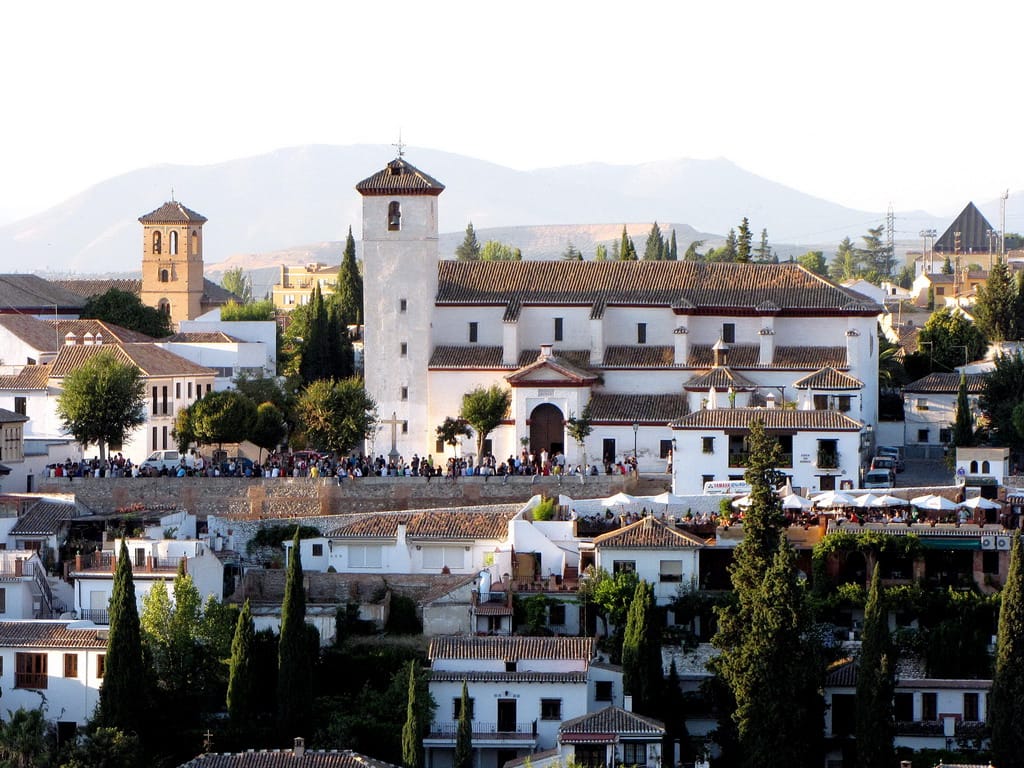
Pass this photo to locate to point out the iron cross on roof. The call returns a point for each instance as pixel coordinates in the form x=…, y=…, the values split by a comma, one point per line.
x=399, y=146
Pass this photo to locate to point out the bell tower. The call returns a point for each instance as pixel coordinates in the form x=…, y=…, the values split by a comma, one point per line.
x=399, y=290
x=172, y=261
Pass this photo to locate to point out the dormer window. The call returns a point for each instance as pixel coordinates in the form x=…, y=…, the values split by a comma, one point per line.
x=394, y=216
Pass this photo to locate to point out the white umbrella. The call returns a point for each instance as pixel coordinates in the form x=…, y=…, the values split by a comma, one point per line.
x=830, y=499
x=619, y=499
x=668, y=498
x=743, y=502
x=979, y=503
x=934, y=503
x=891, y=501
x=867, y=501
x=793, y=501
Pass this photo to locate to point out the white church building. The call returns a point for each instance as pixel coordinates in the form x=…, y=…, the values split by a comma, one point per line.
x=643, y=343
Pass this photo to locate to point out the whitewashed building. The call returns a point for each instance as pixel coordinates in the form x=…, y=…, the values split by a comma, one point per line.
x=929, y=411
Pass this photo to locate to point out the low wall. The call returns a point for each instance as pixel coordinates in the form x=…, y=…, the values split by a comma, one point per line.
x=281, y=498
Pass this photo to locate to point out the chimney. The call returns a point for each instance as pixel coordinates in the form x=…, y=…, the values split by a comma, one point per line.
x=300, y=746
x=545, y=351
x=721, y=353
x=70, y=339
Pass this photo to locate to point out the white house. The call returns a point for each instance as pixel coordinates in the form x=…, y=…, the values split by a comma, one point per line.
x=929, y=411
x=821, y=449
x=231, y=348
x=521, y=689
x=24, y=589
x=58, y=665
x=623, y=337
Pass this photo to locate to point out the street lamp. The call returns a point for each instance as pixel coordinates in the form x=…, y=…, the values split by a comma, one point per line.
x=636, y=462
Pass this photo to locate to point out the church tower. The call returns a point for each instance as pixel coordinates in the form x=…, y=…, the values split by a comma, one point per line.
x=399, y=289
x=172, y=261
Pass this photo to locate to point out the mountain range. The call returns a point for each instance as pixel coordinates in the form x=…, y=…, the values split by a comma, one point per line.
x=296, y=204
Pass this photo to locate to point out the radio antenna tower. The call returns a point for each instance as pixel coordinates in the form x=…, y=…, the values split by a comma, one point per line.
x=890, y=238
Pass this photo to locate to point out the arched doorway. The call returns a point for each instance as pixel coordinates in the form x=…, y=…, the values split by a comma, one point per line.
x=547, y=429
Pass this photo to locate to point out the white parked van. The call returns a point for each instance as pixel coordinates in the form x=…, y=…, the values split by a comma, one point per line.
x=160, y=460
x=878, y=478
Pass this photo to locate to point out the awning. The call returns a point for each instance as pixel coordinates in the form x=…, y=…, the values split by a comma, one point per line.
x=930, y=542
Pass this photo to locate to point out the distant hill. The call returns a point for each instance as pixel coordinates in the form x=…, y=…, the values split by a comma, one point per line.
x=273, y=202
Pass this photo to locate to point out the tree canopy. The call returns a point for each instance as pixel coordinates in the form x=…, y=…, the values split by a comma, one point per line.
x=336, y=415
x=253, y=310
x=238, y=282
x=218, y=418
x=123, y=696
x=127, y=310
x=1002, y=395
x=1006, y=703
x=484, y=410
x=950, y=340
x=348, y=291
x=995, y=310
x=469, y=248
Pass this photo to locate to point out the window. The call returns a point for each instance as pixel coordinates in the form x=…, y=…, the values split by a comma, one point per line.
x=922, y=435
x=404, y=394
x=974, y=468
x=551, y=709
x=405, y=427
x=164, y=400
x=190, y=390
x=164, y=441
x=195, y=242
x=558, y=329
x=634, y=754
x=3, y=600
x=140, y=557
x=440, y=557
x=394, y=216
x=364, y=555
x=510, y=666
x=929, y=707
x=155, y=433
x=921, y=404
x=940, y=290
x=990, y=562
x=164, y=306
x=30, y=670
x=101, y=665
x=318, y=550
x=165, y=276
x=488, y=447
x=177, y=390
x=172, y=242
x=21, y=405
x=439, y=445
x=70, y=665
x=945, y=435
x=457, y=707
x=156, y=401
x=845, y=402
x=209, y=387
x=971, y=707
x=671, y=571
x=403, y=305
x=729, y=333
x=641, y=333
x=986, y=468
x=403, y=349
x=624, y=566
x=665, y=449
x=556, y=614
x=707, y=444
x=821, y=402
x=903, y=707
x=473, y=328
x=603, y=690
x=157, y=245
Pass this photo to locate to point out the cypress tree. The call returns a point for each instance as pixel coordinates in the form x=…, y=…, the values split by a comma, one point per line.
x=743, y=242
x=654, y=249
x=295, y=669
x=1006, y=704
x=963, y=427
x=312, y=363
x=464, y=733
x=627, y=251
x=412, y=746
x=641, y=652
x=349, y=289
x=876, y=685
x=674, y=712
x=469, y=248
x=673, y=248
x=242, y=683
x=125, y=673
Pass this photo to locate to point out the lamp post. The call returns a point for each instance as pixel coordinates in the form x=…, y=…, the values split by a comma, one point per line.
x=636, y=460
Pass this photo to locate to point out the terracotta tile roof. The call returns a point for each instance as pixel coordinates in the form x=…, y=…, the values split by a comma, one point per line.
x=446, y=356
x=51, y=634
x=647, y=533
x=613, y=720
x=748, y=356
x=111, y=333
x=720, y=377
x=286, y=758
x=31, y=377
x=735, y=287
x=383, y=525
x=172, y=212
x=203, y=337
x=23, y=292
x=510, y=648
x=149, y=358
x=907, y=338
x=639, y=356
x=400, y=178
x=38, y=334
x=486, y=522
x=44, y=518
x=738, y=356
x=95, y=287
x=946, y=384
x=773, y=418
x=443, y=676
x=535, y=758
x=577, y=357
x=493, y=609
x=554, y=367
x=645, y=409
x=829, y=378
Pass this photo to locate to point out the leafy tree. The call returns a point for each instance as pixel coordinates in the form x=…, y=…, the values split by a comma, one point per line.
x=484, y=410
x=102, y=401
x=953, y=339
x=127, y=310
x=654, y=248
x=469, y=249
x=876, y=684
x=412, y=731
x=875, y=254
x=336, y=415
x=123, y=695
x=253, y=311
x=464, y=733
x=947, y=266
x=641, y=652
x=579, y=429
x=905, y=278
x=450, y=430
x=616, y=251
x=105, y=748
x=1006, y=705
x=571, y=253
x=269, y=429
x=264, y=389
x=692, y=251
x=295, y=664
x=243, y=684
x=845, y=265
x=728, y=251
x=601, y=252
x=169, y=631
x=610, y=597
x=348, y=291
x=744, y=241
x=220, y=417
x=627, y=251
x=814, y=261
x=238, y=282
x=891, y=373
x=1002, y=391
x=995, y=310
x=494, y=250
x=672, y=253
x=963, y=427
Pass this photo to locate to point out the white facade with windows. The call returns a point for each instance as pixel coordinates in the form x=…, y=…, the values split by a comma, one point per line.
x=929, y=410
x=656, y=552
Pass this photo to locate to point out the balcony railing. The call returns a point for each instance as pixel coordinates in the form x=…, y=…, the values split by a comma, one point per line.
x=481, y=730
x=828, y=460
x=919, y=728
x=30, y=680
x=739, y=459
x=95, y=615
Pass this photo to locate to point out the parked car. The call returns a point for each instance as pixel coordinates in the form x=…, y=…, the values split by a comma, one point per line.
x=893, y=452
x=884, y=462
x=159, y=460
x=879, y=478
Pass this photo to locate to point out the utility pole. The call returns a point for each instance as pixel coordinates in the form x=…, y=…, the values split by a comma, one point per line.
x=890, y=239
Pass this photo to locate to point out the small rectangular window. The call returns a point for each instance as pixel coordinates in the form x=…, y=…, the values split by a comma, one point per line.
x=190, y=390
x=921, y=404
x=155, y=433
x=922, y=435
x=439, y=445
x=403, y=349
x=101, y=665
x=405, y=427
x=164, y=441
x=156, y=401
x=634, y=753
x=821, y=402
x=3, y=600
x=665, y=449
x=671, y=571
x=21, y=405
x=318, y=550
x=929, y=707
x=641, y=333
x=209, y=388
x=729, y=333
x=707, y=444
x=510, y=666
x=971, y=707
x=177, y=390
x=945, y=435
x=164, y=402
x=603, y=690
x=556, y=614
x=457, y=707
x=473, y=328
x=403, y=305
x=70, y=665
x=404, y=394
x=624, y=566
x=558, y=329
x=845, y=403
x=551, y=709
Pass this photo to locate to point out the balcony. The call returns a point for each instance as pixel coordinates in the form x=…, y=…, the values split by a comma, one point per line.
x=738, y=459
x=95, y=615
x=520, y=732
x=828, y=460
x=30, y=680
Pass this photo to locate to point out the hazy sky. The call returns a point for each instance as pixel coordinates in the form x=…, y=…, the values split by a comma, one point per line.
x=863, y=103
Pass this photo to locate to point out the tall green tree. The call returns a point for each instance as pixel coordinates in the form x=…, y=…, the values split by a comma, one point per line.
x=269, y=428
x=674, y=715
x=220, y=417
x=170, y=629
x=412, y=739
x=995, y=310
x=641, y=652
x=951, y=339
x=243, y=683
x=814, y=261
x=469, y=248
x=336, y=415
x=963, y=427
x=693, y=251
x=845, y=264
x=238, y=282
x=763, y=252
x=295, y=666
x=124, y=694
x=947, y=266
x=349, y=289
x=1006, y=704
x=673, y=248
x=464, y=733
x=127, y=310
x=876, y=684
x=744, y=242
x=102, y=401
x=601, y=252
x=654, y=248
x=579, y=429
x=1002, y=393
x=484, y=410
x=451, y=430
x=875, y=254
x=571, y=253
x=610, y=597
x=627, y=251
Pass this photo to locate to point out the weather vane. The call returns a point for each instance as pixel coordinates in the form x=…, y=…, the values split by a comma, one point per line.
x=399, y=146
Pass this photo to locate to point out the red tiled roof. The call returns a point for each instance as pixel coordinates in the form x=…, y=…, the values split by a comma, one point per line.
x=829, y=378
x=400, y=178
x=172, y=212
x=946, y=384
x=31, y=377
x=738, y=288
x=720, y=377
x=773, y=418
x=446, y=356
x=44, y=518
x=647, y=533
x=150, y=359
x=88, y=288
x=51, y=634
x=613, y=720
x=644, y=409
x=748, y=356
x=510, y=648
x=555, y=367
x=286, y=758
x=444, y=676
x=111, y=333
x=38, y=334
x=490, y=522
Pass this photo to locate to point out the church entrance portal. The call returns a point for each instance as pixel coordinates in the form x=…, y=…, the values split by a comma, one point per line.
x=547, y=429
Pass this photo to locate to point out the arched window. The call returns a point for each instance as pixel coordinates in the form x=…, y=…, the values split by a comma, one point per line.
x=165, y=276
x=394, y=216
x=974, y=467
x=156, y=242
x=195, y=242
x=164, y=306
x=985, y=468
x=173, y=243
